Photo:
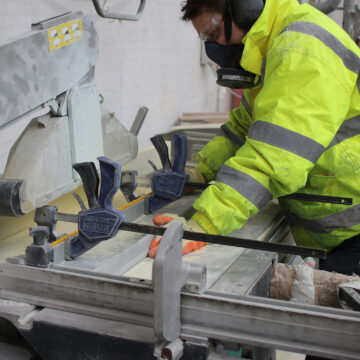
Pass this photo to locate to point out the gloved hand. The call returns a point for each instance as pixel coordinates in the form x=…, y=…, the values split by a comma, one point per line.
x=190, y=225
x=195, y=175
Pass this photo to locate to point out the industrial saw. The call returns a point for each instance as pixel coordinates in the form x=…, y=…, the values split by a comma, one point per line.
x=93, y=292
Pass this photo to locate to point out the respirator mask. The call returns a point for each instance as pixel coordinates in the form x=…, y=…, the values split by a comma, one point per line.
x=243, y=13
x=230, y=74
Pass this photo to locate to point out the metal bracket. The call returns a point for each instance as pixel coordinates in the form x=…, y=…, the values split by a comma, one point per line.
x=128, y=184
x=40, y=253
x=56, y=20
x=170, y=275
x=110, y=15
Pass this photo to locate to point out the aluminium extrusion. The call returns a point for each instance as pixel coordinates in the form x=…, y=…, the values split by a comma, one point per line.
x=237, y=319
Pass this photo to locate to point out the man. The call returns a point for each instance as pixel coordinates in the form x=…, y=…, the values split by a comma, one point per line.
x=297, y=129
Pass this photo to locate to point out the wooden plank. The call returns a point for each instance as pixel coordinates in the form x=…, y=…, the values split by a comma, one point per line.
x=204, y=117
x=206, y=113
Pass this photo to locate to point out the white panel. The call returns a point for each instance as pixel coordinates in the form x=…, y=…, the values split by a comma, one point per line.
x=85, y=124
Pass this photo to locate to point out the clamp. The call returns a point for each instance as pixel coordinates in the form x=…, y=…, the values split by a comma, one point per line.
x=101, y=221
x=168, y=184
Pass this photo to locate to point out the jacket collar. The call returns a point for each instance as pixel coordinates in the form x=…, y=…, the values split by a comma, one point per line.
x=268, y=25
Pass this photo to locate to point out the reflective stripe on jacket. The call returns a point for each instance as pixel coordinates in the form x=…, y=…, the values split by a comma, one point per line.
x=297, y=131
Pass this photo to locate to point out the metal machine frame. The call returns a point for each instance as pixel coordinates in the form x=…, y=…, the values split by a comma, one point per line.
x=173, y=313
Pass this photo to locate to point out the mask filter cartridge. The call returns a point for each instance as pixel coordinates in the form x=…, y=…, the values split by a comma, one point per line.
x=230, y=74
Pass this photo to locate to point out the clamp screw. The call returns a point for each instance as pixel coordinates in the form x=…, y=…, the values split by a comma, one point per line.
x=40, y=234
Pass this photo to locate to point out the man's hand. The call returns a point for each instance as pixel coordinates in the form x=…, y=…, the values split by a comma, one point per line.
x=195, y=175
x=191, y=225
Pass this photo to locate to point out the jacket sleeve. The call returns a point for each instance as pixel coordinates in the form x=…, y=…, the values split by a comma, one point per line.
x=229, y=139
x=297, y=113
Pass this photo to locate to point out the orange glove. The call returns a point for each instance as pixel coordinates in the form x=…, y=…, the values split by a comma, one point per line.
x=191, y=225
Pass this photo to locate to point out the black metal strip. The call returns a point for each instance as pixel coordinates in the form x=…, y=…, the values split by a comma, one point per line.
x=297, y=196
x=319, y=198
x=229, y=241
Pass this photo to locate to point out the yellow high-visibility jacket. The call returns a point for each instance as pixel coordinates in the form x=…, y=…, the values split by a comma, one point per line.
x=298, y=130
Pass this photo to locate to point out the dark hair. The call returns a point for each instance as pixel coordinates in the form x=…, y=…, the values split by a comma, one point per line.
x=193, y=8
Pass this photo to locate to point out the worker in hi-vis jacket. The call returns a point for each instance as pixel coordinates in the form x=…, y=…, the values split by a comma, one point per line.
x=297, y=128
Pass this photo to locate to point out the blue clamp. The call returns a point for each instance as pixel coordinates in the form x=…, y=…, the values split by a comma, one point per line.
x=102, y=220
x=169, y=184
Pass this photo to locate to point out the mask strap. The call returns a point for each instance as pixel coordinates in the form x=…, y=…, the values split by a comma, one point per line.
x=227, y=26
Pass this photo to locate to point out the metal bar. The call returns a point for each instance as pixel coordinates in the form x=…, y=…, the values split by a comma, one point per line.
x=72, y=218
x=229, y=241
x=139, y=120
x=56, y=20
x=319, y=198
x=213, y=239
x=295, y=196
x=272, y=323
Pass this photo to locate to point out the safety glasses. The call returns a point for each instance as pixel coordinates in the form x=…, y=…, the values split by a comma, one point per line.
x=212, y=30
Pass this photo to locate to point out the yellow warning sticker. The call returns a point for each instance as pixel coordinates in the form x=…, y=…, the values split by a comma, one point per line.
x=65, y=34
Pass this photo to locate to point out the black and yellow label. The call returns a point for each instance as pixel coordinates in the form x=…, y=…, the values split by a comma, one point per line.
x=65, y=34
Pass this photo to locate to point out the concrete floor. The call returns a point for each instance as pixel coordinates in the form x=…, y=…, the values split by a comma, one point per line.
x=12, y=352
